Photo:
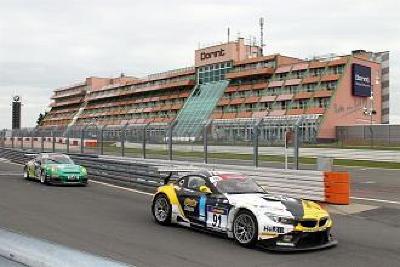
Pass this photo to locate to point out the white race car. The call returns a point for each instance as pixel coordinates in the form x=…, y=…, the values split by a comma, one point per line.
x=238, y=207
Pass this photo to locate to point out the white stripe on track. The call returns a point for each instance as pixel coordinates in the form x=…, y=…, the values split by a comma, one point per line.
x=122, y=188
x=9, y=162
x=377, y=200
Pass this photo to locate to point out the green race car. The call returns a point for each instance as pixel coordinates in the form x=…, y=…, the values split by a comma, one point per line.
x=55, y=168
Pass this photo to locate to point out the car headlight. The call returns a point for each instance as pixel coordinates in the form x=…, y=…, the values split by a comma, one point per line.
x=279, y=219
x=54, y=170
x=83, y=171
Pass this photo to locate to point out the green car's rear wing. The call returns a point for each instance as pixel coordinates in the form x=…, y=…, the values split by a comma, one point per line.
x=30, y=155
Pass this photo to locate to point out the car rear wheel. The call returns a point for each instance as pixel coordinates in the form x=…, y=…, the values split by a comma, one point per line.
x=245, y=229
x=26, y=173
x=161, y=209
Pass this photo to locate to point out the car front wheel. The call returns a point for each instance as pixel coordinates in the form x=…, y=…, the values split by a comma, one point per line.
x=43, y=179
x=161, y=209
x=26, y=173
x=245, y=229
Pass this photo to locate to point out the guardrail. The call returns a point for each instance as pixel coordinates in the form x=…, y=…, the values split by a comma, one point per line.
x=329, y=187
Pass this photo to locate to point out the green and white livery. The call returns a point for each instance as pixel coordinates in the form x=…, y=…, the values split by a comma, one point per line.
x=55, y=168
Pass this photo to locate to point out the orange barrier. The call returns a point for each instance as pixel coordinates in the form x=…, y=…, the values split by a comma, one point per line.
x=337, y=187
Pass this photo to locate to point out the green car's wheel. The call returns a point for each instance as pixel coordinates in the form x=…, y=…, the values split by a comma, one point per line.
x=43, y=179
x=26, y=173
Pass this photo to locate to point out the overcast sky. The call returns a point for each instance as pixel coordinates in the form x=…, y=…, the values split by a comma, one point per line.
x=45, y=44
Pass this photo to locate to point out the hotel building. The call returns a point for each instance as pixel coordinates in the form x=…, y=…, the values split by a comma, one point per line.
x=232, y=83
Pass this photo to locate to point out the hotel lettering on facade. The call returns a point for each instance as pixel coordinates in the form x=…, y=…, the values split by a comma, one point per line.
x=231, y=83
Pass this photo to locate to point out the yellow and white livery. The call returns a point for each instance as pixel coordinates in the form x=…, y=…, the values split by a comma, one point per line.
x=236, y=206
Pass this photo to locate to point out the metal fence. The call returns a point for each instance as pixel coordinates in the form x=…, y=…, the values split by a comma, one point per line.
x=159, y=141
x=369, y=135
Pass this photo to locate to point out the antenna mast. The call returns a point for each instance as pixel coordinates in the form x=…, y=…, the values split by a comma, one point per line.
x=261, y=21
x=229, y=33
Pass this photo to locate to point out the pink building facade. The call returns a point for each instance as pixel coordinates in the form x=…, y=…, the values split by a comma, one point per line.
x=327, y=92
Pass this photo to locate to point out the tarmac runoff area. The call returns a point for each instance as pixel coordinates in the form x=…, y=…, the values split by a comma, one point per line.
x=116, y=223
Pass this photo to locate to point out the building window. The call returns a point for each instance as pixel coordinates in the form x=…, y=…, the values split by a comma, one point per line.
x=213, y=72
x=317, y=71
x=299, y=74
x=331, y=85
x=282, y=76
x=323, y=102
x=339, y=69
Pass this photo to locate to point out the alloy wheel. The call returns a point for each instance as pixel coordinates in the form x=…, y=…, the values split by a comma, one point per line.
x=161, y=209
x=244, y=228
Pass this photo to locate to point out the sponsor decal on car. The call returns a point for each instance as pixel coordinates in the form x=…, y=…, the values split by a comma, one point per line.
x=202, y=208
x=189, y=204
x=274, y=229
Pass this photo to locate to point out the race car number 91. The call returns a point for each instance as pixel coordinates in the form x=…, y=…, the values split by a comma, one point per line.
x=217, y=218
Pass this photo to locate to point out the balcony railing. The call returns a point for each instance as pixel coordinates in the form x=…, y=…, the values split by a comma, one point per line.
x=130, y=91
x=65, y=103
x=68, y=87
x=249, y=72
x=71, y=93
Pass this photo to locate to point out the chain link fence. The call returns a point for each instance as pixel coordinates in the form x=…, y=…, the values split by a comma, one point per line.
x=378, y=135
x=222, y=140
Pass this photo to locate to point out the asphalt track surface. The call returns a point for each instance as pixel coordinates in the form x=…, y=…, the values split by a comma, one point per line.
x=7, y=263
x=117, y=223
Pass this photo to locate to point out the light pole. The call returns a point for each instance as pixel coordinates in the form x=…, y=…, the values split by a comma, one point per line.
x=371, y=111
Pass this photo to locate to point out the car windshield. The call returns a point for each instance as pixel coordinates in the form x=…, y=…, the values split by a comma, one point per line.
x=58, y=160
x=235, y=184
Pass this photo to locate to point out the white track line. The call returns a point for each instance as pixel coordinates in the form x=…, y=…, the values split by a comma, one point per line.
x=9, y=162
x=377, y=200
x=122, y=188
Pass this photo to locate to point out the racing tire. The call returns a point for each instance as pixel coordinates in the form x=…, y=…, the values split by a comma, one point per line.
x=161, y=209
x=245, y=229
x=26, y=173
x=43, y=178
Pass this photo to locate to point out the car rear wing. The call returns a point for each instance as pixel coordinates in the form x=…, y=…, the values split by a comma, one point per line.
x=30, y=155
x=173, y=172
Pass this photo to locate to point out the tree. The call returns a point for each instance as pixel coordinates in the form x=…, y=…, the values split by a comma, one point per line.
x=40, y=119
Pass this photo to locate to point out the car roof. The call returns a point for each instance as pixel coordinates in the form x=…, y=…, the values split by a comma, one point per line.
x=53, y=155
x=208, y=173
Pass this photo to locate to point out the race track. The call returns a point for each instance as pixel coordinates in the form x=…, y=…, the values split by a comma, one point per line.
x=117, y=223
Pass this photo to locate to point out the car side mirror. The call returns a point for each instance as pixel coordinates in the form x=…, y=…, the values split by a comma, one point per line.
x=205, y=189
